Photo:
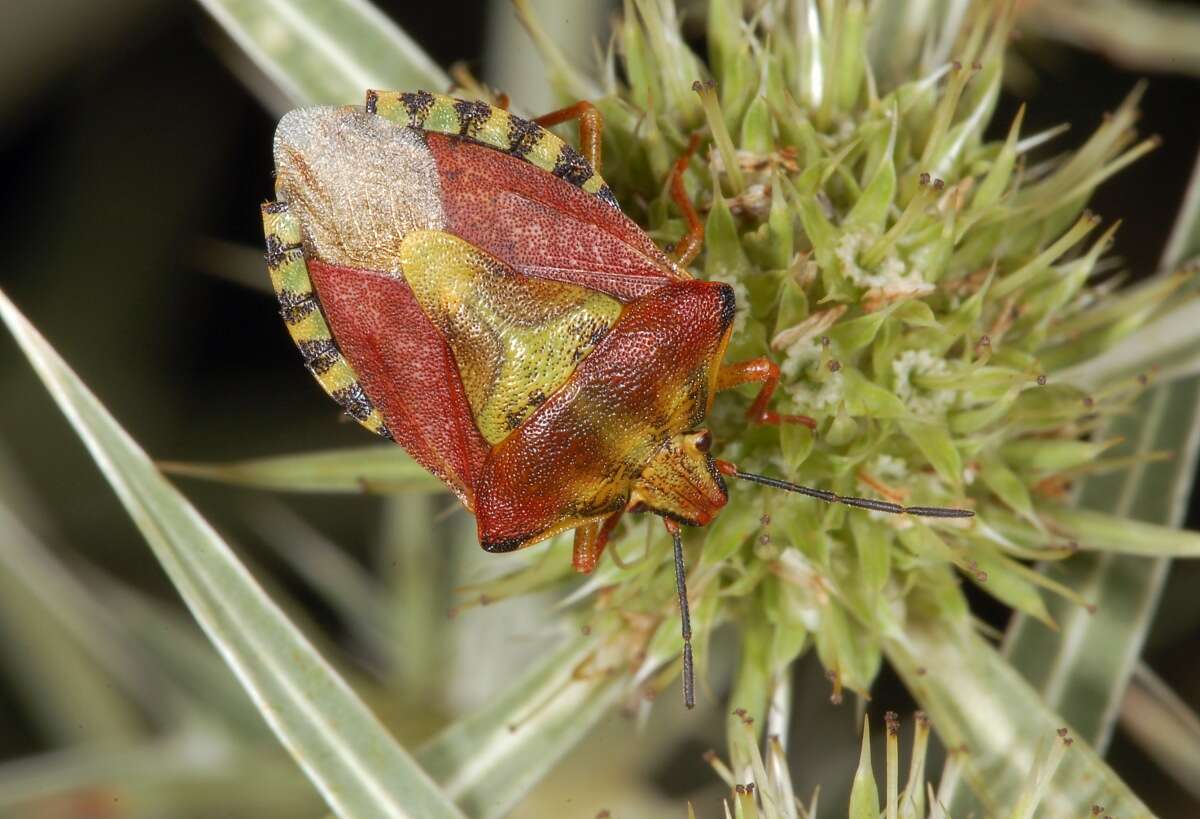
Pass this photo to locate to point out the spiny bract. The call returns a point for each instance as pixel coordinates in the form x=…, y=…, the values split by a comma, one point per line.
x=920, y=286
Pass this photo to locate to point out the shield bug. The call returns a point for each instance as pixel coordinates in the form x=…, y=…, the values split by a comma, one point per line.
x=463, y=282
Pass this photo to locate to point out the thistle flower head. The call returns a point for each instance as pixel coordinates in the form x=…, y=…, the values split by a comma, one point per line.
x=768, y=792
x=920, y=285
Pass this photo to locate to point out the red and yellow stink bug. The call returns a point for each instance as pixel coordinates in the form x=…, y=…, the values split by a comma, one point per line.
x=464, y=283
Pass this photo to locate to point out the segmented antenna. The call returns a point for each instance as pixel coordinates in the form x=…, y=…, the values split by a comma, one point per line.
x=685, y=619
x=831, y=497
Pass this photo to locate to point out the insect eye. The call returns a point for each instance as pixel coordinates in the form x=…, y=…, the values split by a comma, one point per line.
x=704, y=441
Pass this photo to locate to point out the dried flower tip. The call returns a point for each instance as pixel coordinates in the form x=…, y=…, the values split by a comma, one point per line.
x=835, y=678
x=892, y=721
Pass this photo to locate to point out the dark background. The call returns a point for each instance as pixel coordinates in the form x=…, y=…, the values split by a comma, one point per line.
x=127, y=154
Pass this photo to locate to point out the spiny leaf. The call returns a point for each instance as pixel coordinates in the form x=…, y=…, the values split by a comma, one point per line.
x=380, y=468
x=1092, y=660
x=489, y=760
x=326, y=51
x=359, y=769
x=984, y=709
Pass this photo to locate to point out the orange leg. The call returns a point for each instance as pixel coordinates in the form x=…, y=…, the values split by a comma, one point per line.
x=591, y=124
x=765, y=372
x=590, y=541
x=688, y=246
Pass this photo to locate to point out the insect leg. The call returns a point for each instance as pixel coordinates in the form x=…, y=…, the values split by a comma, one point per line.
x=689, y=245
x=591, y=124
x=760, y=371
x=590, y=541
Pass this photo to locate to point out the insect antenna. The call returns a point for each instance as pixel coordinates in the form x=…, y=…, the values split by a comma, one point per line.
x=831, y=497
x=685, y=619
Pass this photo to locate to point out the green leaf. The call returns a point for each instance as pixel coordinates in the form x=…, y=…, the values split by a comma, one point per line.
x=359, y=769
x=326, y=51
x=977, y=701
x=488, y=761
x=379, y=468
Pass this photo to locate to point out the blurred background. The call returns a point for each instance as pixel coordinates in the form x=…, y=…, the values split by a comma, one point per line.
x=134, y=152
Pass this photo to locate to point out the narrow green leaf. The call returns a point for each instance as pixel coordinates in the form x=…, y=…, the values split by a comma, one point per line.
x=750, y=694
x=866, y=398
x=1083, y=672
x=380, y=468
x=340, y=581
x=1167, y=345
x=845, y=650
x=936, y=445
x=488, y=761
x=729, y=531
x=419, y=561
x=1103, y=532
x=978, y=702
x=1163, y=725
x=211, y=771
x=1144, y=35
x=873, y=546
x=1002, y=579
x=181, y=653
x=326, y=51
x=1008, y=487
x=63, y=651
x=357, y=766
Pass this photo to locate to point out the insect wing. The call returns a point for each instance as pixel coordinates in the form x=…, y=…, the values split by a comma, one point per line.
x=351, y=187
x=406, y=368
x=543, y=226
x=514, y=189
